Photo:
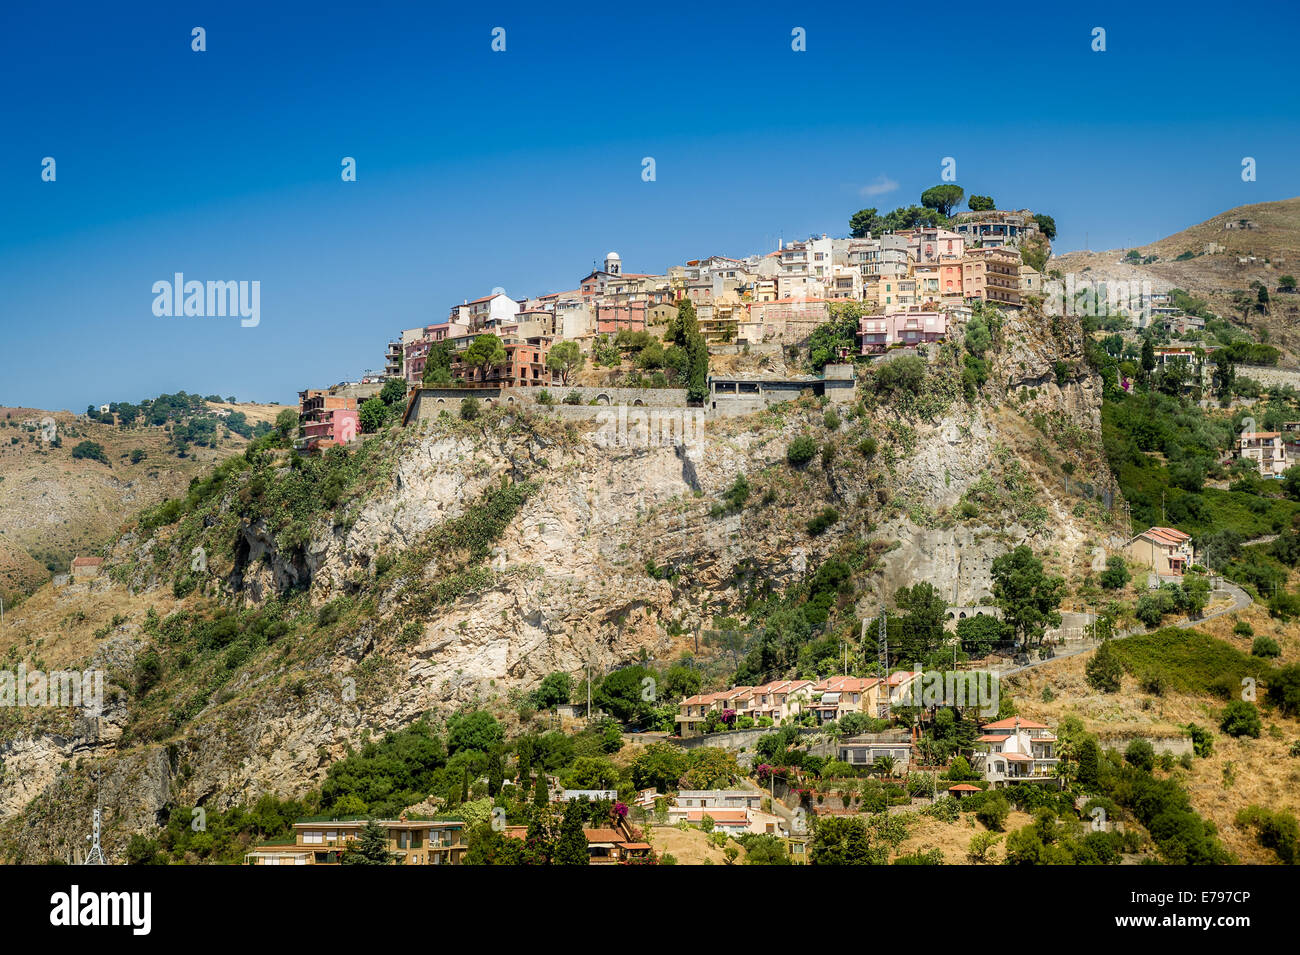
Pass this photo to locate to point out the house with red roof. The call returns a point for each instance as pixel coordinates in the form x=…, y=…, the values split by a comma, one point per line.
x=1166, y=550
x=836, y=696
x=1017, y=750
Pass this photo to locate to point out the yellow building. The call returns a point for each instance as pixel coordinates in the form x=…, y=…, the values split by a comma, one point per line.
x=323, y=842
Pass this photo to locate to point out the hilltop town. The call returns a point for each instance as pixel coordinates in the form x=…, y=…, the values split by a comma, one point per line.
x=904, y=547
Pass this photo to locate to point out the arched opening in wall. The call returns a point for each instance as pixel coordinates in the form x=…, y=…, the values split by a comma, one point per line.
x=950, y=615
x=962, y=615
x=442, y=401
x=602, y=399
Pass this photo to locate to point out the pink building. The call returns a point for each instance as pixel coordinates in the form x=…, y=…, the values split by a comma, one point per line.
x=880, y=332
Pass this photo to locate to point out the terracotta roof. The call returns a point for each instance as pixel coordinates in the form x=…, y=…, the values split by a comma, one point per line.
x=1015, y=722
x=963, y=788
x=634, y=845
x=603, y=835
x=87, y=561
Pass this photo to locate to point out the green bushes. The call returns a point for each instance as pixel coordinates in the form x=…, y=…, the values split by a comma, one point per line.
x=1241, y=719
x=1276, y=830
x=1104, y=671
x=801, y=451
x=827, y=518
x=91, y=451
x=1265, y=647
x=1142, y=754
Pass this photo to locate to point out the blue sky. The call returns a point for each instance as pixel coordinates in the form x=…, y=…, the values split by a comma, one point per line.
x=518, y=169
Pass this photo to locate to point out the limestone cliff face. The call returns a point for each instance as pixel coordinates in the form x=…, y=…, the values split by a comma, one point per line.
x=570, y=584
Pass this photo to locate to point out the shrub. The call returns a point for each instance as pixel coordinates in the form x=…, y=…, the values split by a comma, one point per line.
x=822, y=521
x=469, y=409
x=1104, y=671
x=1142, y=754
x=1265, y=647
x=573, y=398
x=544, y=397
x=90, y=450
x=1116, y=574
x=1241, y=719
x=1202, y=740
x=867, y=447
x=993, y=811
x=801, y=450
x=831, y=420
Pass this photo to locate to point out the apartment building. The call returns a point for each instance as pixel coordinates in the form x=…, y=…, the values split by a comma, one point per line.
x=779, y=700
x=326, y=419
x=932, y=245
x=995, y=228
x=1266, y=449
x=476, y=314
x=1017, y=750
x=869, y=748
x=837, y=696
x=1166, y=550
x=905, y=328
x=992, y=275
x=324, y=841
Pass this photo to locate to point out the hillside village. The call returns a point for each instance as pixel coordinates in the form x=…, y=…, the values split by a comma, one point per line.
x=906, y=547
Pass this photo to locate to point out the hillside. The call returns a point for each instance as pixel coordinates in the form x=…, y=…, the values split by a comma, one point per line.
x=1222, y=256
x=456, y=565
x=54, y=506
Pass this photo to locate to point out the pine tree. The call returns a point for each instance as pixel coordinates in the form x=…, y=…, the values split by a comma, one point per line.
x=496, y=774
x=571, y=847
x=371, y=848
x=540, y=795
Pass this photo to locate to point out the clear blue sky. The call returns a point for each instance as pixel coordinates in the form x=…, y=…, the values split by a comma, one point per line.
x=518, y=169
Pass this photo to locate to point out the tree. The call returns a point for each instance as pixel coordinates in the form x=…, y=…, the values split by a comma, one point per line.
x=541, y=796
x=393, y=392
x=981, y=844
x=92, y=451
x=475, y=730
x=1027, y=596
x=981, y=203
x=373, y=414
x=803, y=448
x=864, y=223
x=1046, y=225
x=922, y=624
x=486, y=352
x=1142, y=754
x=622, y=693
x=1241, y=719
x=371, y=848
x=843, y=840
x=979, y=634
x=1104, y=671
x=1286, y=283
x=437, y=364
x=469, y=409
x=943, y=199
x=659, y=765
x=1116, y=574
x=565, y=358
x=1284, y=689
x=1148, y=363
x=993, y=810
x=554, y=690
x=571, y=847
x=710, y=768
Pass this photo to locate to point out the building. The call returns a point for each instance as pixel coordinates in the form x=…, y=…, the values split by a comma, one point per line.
x=716, y=799
x=1031, y=281
x=779, y=700
x=323, y=842
x=991, y=275
x=1165, y=550
x=1017, y=750
x=837, y=696
x=868, y=749
x=995, y=228
x=85, y=568
x=1265, y=449
x=495, y=308
x=882, y=332
x=326, y=419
